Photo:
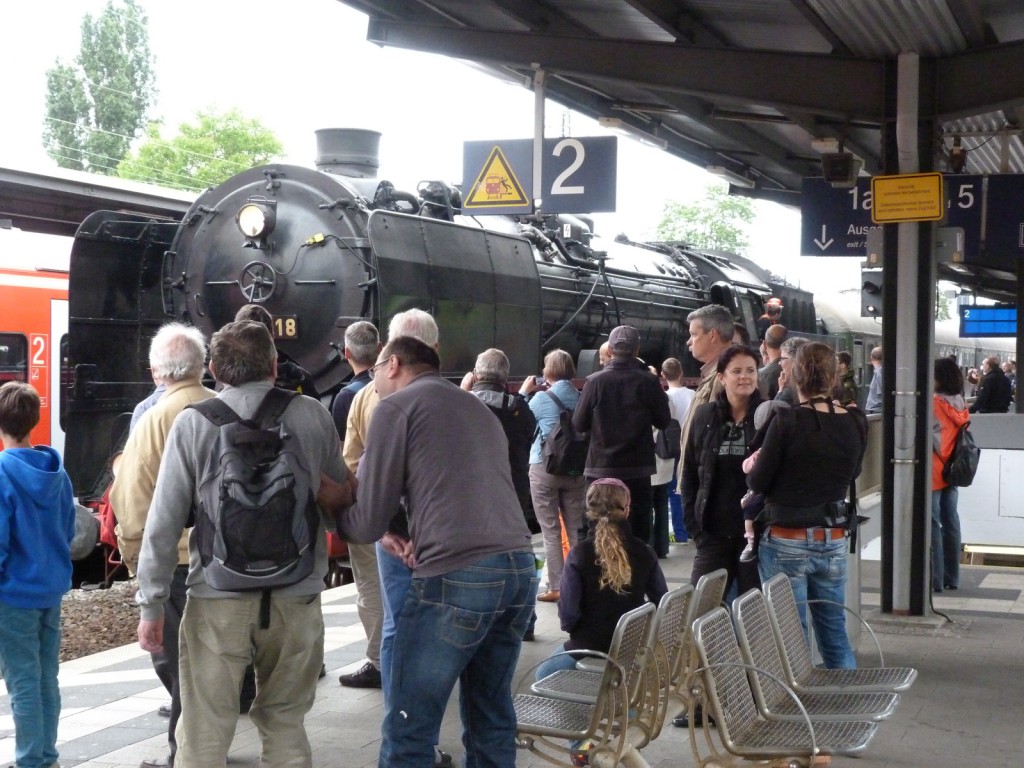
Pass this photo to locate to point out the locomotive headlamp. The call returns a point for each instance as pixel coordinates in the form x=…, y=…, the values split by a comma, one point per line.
x=256, y=219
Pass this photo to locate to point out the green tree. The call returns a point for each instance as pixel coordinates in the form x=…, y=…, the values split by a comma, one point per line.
x=98, y=105
x=943, y=306
x=718, y=222
x=204, y=153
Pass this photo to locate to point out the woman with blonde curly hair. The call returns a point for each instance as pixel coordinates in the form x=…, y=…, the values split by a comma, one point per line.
x=606, y=575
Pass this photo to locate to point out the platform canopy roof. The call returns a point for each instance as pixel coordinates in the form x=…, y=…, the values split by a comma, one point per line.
x=747, y=85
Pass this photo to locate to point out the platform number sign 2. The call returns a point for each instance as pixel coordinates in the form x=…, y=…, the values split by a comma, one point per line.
x=578, y=175
x=38, y=369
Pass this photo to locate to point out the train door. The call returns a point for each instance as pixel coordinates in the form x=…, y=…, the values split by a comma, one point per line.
x=57, y=366
x=26, y=337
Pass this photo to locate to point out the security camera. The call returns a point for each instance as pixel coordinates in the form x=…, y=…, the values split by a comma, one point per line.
x=840, y=169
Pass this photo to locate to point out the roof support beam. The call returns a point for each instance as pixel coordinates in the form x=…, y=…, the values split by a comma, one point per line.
x=787, y=81
x=984, y=80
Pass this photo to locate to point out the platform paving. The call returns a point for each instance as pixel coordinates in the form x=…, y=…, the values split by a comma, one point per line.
x=965, y=708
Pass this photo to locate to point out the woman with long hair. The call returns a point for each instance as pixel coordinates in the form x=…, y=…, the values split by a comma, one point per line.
x=607, y=574
x=713, y=481
x=951, y=414
x=809, y=457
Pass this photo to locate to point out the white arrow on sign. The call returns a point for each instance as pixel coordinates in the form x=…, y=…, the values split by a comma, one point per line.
x=823, y=243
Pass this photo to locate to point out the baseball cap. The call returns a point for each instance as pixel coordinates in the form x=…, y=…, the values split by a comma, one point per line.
x=624, y=338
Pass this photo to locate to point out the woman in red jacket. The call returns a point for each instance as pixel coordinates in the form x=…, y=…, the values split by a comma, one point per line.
x=950, y=414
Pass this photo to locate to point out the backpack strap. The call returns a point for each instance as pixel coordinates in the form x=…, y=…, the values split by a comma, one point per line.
x=273, y=406
x=558, y=402
x=216, y=411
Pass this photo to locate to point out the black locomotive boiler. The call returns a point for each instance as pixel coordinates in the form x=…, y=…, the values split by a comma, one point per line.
x=323, y=248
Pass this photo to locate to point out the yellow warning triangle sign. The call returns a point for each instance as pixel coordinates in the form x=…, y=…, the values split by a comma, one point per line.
x=496, y=185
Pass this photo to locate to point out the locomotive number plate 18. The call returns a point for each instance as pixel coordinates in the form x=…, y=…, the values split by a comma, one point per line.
x=286, y=327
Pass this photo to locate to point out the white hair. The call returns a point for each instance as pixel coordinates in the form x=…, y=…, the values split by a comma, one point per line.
x=415, y=323
x=177, y=352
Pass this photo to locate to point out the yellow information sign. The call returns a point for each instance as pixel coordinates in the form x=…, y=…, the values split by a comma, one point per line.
x=907, y=197
x=496, y=185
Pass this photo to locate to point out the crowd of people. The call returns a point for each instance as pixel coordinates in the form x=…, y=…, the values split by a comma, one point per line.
x=431, y=485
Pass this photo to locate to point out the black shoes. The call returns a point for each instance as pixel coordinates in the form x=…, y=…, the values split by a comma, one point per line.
x=367, y=676
x=442, y=759
x=683, y=720
x=158, y=763
x=164, y=710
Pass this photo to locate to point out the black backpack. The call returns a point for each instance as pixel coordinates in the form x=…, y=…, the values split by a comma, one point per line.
x=962, y=464
x=256, y=523
x=668, y=443
x=564, y=451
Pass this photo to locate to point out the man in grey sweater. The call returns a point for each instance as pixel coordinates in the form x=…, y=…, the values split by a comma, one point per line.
x=221, y=630
x=473, y=581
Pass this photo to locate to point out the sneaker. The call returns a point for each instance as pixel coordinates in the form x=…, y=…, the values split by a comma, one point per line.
x=749, y=553
x=367, y=676
x=579, y=752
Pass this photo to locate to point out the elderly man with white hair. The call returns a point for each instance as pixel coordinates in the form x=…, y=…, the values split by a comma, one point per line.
x=176, y=357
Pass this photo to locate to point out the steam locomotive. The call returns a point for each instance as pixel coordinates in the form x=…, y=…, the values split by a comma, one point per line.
x=324, y=248
x=321, y=249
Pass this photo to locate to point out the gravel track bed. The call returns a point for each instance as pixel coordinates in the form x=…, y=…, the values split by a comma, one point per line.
x=95, y=620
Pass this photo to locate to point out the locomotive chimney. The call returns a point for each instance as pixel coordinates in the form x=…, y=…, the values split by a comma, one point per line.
x=348, y=152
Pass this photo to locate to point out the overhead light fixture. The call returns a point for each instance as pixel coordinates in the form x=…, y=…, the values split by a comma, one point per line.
x=731, y=176
x=644, y=107
x=618, y=124
x=957, y=156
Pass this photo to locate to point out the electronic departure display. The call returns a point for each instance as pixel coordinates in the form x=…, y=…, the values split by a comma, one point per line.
x=992, y=320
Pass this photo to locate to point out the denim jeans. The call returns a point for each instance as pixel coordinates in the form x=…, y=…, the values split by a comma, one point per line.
x=466, y=626
x=945, y=539
x=675, y=502
x=395, y=579
x=817, y=571
x=557, y=662
x=659, y=531
x=29, y=660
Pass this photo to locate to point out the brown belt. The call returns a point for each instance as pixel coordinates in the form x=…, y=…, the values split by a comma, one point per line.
x=802, y=534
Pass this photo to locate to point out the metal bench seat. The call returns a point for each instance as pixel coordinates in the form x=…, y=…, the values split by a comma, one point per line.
x=648, y=699
x=550, y=727
x=799, y=669
x=741, y=728
x=759, y=649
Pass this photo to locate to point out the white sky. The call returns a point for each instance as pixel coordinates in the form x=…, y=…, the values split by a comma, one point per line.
x=305, y=65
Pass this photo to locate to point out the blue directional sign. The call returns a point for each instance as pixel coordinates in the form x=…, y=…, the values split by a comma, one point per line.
x=1004, y=241
x=998, y=320
x=835, y=222
x=578, y=175
x=964, y=208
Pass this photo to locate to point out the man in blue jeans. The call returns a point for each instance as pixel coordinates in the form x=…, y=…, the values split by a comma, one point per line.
x=474, y=581
x=394, y=547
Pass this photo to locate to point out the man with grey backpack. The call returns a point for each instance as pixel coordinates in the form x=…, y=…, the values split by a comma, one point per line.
x=250, y=468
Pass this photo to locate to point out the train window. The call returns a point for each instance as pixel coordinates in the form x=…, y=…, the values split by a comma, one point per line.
x=13, y=357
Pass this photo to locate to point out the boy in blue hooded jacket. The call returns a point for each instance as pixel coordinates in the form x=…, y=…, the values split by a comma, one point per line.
x=37, y=524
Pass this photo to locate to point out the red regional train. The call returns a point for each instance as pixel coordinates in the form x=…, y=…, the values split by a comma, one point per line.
x=34, y=321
